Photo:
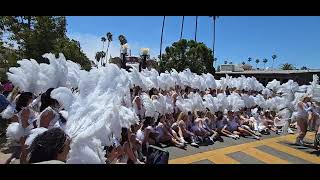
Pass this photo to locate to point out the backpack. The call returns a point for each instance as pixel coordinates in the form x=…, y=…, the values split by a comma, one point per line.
x=157, y=155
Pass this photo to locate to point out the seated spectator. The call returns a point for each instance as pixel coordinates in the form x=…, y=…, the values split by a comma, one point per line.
x=53, y=144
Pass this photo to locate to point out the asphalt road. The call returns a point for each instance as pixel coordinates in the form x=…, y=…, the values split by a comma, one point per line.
x=271, y=149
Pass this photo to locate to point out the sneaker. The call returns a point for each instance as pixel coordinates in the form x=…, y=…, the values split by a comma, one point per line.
x=290, y=131
x=257, y=133
x=183, y=141
x=219, y=138
x=237, y=136
x=194, y=144
x=233, y=136
x=181, y=145
x=257, y=137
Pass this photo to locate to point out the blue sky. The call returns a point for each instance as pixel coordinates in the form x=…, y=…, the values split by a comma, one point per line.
x=295, y=39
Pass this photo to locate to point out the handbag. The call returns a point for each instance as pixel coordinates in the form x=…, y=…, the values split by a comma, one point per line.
x=157, y=155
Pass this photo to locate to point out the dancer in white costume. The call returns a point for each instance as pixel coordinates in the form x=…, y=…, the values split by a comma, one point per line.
x=49, y=116
x=27, y=120
x=303, y=115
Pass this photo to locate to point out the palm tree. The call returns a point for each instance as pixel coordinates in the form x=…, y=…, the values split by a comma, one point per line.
x=287, y=66
x=273, y=58
x=257, y=61
x=304, y=68
x=182, y=27
x=164, y=18
x=249, y=59
x=225, y=62
x=230, y=62
x=103, y=39
x=265, y=61
x=109, y=37
x=195, y=33
x=243, y=63
x=122, y=39
x=214, y=18
x=100, y=55
x=215, y=60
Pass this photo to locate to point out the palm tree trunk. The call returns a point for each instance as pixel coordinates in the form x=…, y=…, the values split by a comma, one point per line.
x=214, y=38
x=164, y=18
x=107, y=51
x=182, y=27
x=272, y=63
x=195, y=34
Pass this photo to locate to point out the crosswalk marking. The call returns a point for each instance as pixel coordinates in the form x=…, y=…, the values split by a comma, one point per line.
x=222, y=159
x=221, y=155
x=264, y=157
x=295, y=152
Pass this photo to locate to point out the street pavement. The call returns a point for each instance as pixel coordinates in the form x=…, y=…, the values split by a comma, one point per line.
x=271, y=149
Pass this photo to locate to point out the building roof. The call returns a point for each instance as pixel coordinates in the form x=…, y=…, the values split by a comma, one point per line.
x=271, y=72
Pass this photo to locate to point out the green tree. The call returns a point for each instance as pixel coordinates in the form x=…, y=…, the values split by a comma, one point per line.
x=274, y=57
x=257, y=61
x=71, y=49
x=264, y=62
x=243, y=63
x=287, y=66
x=37, y=35
x=187, y=54
x=225, y=62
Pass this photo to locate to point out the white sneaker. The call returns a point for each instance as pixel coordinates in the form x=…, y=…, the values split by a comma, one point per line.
x=183, y=141
x=194, y=144
x=233, y=136
x=257, y=137
x=290, y=131
x=237, y=136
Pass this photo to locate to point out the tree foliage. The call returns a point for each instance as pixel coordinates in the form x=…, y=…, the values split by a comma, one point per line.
x=187, y=54
x=287, y=66
x=37, y=35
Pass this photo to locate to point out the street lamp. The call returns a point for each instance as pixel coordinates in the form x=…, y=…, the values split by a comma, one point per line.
x=144, y=53
x=124, y=51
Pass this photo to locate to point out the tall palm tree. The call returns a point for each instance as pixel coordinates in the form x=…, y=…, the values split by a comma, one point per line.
x=103, y=40
x=195, y=33
x=249, y=59
x=273, y=58
x=214, y=18
x=182, y=23
x=225, y=62
x=257, y=61
x=243, y=63
x=265, y=61
x=109, y=37
x=164, y=18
